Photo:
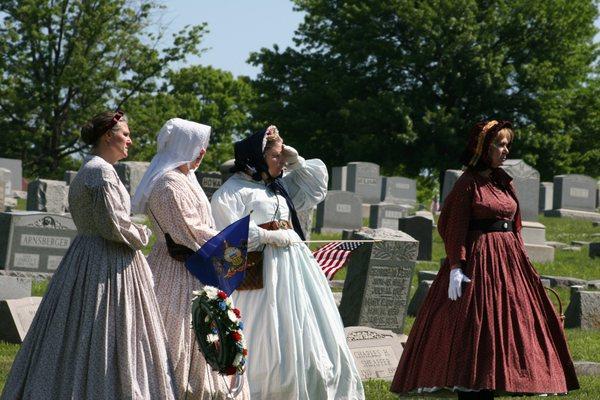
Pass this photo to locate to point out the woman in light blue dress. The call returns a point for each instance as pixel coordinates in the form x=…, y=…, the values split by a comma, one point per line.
x=296, y=343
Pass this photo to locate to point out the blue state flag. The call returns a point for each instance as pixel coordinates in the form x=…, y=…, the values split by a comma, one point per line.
x=221, y=261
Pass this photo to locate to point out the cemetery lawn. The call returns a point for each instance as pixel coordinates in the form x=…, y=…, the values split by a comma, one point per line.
x=584, y=345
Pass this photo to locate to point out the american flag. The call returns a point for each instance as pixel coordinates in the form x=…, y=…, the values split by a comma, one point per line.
x=333, y=256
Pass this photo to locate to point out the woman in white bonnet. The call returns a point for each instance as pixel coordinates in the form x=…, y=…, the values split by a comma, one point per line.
x=170, y=195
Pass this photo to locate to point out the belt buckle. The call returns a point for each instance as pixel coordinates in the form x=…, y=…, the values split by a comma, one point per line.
x=505, y=226
x=281, y=224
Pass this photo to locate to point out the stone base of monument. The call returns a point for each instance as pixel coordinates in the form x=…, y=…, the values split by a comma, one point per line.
x=577, y=214
x=583, y=310
x=534, y=236
x=16, y=316
x=420, y=294
x=375, y=351
x=587, y=368
x=12, y=287
x=540, y=253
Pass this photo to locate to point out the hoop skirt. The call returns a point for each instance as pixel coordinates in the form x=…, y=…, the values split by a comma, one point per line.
x=297, y=348
x=503, y=334
x=97, y=333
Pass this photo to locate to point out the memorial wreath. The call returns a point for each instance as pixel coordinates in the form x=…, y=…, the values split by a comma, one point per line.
x=218, y=327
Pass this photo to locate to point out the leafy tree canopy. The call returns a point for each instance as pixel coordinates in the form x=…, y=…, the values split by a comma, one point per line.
x=64, y=61
x=401, y=82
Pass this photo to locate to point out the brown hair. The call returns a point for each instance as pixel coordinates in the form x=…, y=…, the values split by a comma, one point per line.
x=476, y=154
x=101, y=123
x=272, y=135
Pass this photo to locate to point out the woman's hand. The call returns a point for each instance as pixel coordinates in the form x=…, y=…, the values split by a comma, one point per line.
x=292, y=158
x=279, y=238
x=456, y=280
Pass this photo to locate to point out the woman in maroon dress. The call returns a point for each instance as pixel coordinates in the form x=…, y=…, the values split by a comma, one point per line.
x=487, y=326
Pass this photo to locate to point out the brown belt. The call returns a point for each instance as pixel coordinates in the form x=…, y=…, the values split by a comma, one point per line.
x=276, y=225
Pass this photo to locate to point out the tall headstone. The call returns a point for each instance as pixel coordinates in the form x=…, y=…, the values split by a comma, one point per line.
x=378, y=279
x=306, y=221
x=209, y=182
x=69, y=176
x=450, y=178
x=386, y=215
x=47, y=195
x=575, y=197
x=131, y=173
x=5, y=181
x=16, y=316
x=16, y=171
x=527, y=183
x=340, y=210
x=339, y=178
x=398, y=190
x=376, y=352
x=364, y=180
x=421, y=229
x=546, y=195
x=34, y=241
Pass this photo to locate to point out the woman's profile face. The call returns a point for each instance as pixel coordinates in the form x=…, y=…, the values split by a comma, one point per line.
x=499, y=149
x=275, y=160
x=196, y=163
x=119, y=142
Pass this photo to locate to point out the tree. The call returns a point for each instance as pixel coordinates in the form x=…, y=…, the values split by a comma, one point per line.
x=64, y=61
x=203, y=94
x=401, y=82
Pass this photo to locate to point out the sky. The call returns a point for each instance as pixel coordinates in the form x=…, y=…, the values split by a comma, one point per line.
x=237, y=28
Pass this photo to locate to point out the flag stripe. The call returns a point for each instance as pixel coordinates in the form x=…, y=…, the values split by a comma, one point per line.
x=333, y=256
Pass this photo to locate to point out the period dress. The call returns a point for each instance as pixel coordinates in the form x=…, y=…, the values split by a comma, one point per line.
x=97, y=333
x=503, y=334
x=296, y=343
x=183, y=211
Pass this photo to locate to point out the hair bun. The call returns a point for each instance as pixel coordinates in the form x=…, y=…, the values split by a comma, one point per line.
x=87, y=133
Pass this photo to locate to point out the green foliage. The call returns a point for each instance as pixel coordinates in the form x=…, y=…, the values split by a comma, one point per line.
x=64, y=61
x=400, y=82
x=204, y=94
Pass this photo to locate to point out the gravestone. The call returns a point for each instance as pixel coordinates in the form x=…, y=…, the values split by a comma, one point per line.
x=306, y=221
x=225, y=169
x=209, y=182
x=398, y=190
x=427, y=275
x=378, y=279
x=421, y=229
x=574, y=196
x=69, y=176
x=583, y=310
x=450, y=178
x=419, y=297
x=527, y=183
x=594, y=250
x=16, y=316
x=339, y=178
x=340, y=210
x=546, y=196
x=386, y=215
x=14, y=287
x=47, y=195
x=34, y=241
x=376, y=352
x=5, y=181
x=3, y=195
x=363, y=179
x=16, y=172
x=131, y=173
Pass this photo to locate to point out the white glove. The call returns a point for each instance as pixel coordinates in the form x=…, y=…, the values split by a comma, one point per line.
x=456, y=280
x=292, y=158
x=279, y=238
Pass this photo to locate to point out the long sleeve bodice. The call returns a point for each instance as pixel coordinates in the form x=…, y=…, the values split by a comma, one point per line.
x=100, y=205
x=181, y=210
